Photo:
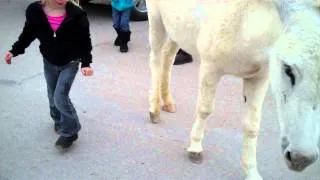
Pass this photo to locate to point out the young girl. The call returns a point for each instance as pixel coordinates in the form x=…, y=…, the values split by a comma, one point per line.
x=62, y=28
x=121, y=12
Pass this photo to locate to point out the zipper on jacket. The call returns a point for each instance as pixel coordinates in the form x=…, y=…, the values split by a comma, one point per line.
x=61, y=25
x=65, y=21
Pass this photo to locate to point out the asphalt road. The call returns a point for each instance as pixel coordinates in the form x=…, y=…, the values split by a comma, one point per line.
x=117, y=141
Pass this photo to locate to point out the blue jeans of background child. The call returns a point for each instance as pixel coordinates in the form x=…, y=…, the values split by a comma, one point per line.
x=59, y=81
x=121, y=19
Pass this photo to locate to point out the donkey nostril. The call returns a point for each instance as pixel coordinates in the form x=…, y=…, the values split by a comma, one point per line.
x=288, y=156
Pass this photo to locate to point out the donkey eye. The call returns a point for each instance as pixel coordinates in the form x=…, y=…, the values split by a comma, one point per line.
x=288, y=71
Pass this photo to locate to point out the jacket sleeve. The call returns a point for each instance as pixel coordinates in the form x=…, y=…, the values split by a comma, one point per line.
x=27, y=35
x=85, y=45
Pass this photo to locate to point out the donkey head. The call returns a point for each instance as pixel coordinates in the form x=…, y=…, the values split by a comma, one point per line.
x=295, y=82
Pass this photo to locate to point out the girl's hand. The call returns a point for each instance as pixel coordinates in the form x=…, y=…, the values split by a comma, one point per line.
x=7, y=57
x=87, y=71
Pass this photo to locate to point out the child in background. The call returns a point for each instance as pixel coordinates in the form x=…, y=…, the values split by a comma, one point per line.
x=62, y=28
x=121, y=12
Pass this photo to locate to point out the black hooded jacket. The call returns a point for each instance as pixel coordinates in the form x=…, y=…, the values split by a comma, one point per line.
x=70, y=42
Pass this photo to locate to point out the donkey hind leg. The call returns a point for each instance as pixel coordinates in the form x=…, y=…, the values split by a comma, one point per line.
x=169, y=51
x=209, y=79
x=157, y=37
x=254, y=91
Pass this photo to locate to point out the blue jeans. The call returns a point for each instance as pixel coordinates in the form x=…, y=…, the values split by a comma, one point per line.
x=59, y=81
x=121, y=19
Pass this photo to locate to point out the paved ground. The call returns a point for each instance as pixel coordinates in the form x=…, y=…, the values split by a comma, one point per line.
x=117, y=140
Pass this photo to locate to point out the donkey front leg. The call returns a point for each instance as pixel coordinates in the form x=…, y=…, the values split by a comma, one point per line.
x=209, y=79
x=170, y=49
x=157, y=37
x=254, y=93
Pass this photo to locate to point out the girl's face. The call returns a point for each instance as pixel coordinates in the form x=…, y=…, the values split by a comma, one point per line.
x=61, y=2
x=58, y=3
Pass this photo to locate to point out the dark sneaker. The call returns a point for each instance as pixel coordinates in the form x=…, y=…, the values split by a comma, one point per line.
x=57, y=127
x=182, y=58
x=65, y=142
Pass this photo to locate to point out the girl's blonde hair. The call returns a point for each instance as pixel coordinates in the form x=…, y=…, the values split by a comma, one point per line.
x=75, y=2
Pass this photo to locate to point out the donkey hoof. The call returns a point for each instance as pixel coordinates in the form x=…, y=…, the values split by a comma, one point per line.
x=155, y=118
x=171, y=108
x=195, y=157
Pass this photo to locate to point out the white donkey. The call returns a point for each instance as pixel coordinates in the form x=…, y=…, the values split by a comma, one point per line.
x=249, y=39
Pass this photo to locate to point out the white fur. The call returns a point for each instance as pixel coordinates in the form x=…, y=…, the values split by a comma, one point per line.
x=229, y=37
